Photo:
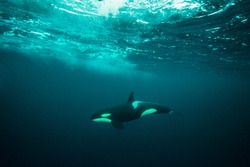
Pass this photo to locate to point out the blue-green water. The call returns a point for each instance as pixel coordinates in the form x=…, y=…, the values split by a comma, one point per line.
x=62, y=60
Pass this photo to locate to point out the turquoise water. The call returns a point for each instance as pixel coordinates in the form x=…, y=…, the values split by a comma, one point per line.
x=130, y=34
x=63, y=60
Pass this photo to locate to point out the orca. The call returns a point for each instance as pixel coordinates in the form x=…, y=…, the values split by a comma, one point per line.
x=128, y=111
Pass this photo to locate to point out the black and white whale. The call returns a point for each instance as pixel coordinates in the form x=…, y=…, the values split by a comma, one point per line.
x=128, y=111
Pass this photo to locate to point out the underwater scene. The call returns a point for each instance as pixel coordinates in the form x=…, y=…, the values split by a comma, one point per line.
x=125, y=83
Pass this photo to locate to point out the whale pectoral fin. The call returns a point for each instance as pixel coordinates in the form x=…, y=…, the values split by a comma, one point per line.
x=117, y=124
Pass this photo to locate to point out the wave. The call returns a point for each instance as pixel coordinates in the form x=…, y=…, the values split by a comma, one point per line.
x=128, y=33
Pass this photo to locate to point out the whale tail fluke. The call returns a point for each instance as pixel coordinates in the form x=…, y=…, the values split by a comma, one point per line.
x=176, y=113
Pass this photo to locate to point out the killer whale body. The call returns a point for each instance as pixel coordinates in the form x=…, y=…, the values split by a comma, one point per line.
x=128, y=111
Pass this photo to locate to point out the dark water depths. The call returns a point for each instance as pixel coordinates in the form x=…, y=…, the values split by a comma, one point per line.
x=60, y=61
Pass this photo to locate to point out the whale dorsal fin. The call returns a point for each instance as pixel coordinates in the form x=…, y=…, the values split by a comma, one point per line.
x=131, y=97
